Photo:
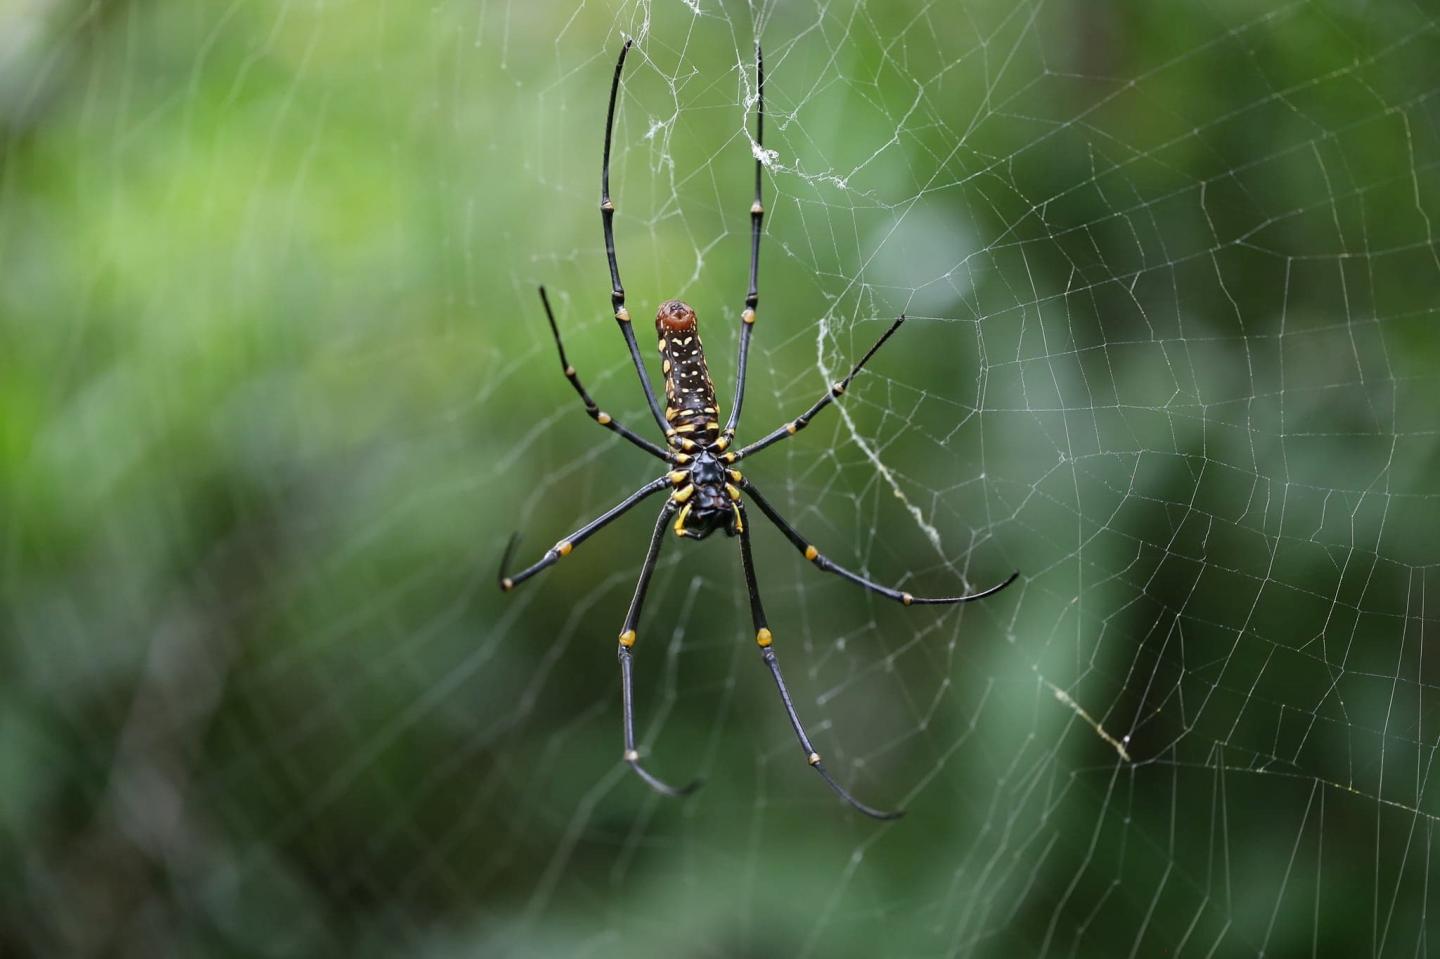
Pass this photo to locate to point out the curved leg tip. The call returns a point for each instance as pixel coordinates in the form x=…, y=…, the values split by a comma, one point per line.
x=912, y=600
x=871, y=811
x=884, y=816
x=850, y=800
x=659, y=785
x=505, y=582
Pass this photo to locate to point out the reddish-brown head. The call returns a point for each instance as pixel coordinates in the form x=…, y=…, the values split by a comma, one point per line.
x=674, y=317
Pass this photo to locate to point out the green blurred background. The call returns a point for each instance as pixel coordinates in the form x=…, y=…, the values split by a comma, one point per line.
x=275, y=387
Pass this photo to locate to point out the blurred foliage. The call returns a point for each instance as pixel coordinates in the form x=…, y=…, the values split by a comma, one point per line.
x=275, y=387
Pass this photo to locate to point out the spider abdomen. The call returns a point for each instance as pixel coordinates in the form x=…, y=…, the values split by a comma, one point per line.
x=690, y=407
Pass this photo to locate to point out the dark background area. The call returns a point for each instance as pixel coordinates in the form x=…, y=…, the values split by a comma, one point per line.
x=275, y=387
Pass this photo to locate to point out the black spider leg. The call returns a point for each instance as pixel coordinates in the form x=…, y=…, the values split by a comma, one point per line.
x=757, y=214
x=563, y=548
x=627, y=640
x=803, y=420
x=604, y=419
x=825, y=564
x=765, y=640
x=607, y=216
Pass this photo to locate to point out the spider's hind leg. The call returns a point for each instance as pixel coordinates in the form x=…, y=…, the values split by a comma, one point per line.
x=508, y=581
x=627, y=640
x=765, y=641
x=827, y=565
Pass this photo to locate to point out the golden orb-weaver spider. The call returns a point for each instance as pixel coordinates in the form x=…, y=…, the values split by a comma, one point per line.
x=706, y=490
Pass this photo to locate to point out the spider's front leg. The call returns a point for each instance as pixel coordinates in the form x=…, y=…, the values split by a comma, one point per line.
x=591, y=408
x=607, y=221
x=757, y=215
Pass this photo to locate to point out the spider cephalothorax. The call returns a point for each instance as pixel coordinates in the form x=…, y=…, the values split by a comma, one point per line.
x=706, y=491
x=708, y=497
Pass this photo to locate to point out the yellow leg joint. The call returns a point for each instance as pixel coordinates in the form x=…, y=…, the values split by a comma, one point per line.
x=763, y=638
x=906, y=598
x=748, y=316
x=680, y=520
x=623, y=315
x=813, y=759
x=811, y=552
x=682, y=494
x=627, y=638
x=564, y=547
x=791, y=428
x=632, y=756
x=677, y=477
x=720, y=445
x=507, y=584
x=733, y=492
x=603, y=419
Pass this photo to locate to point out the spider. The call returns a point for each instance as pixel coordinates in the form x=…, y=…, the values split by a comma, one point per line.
x=707, y=493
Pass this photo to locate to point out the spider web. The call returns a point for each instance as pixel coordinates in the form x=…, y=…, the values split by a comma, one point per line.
x=278, y=387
